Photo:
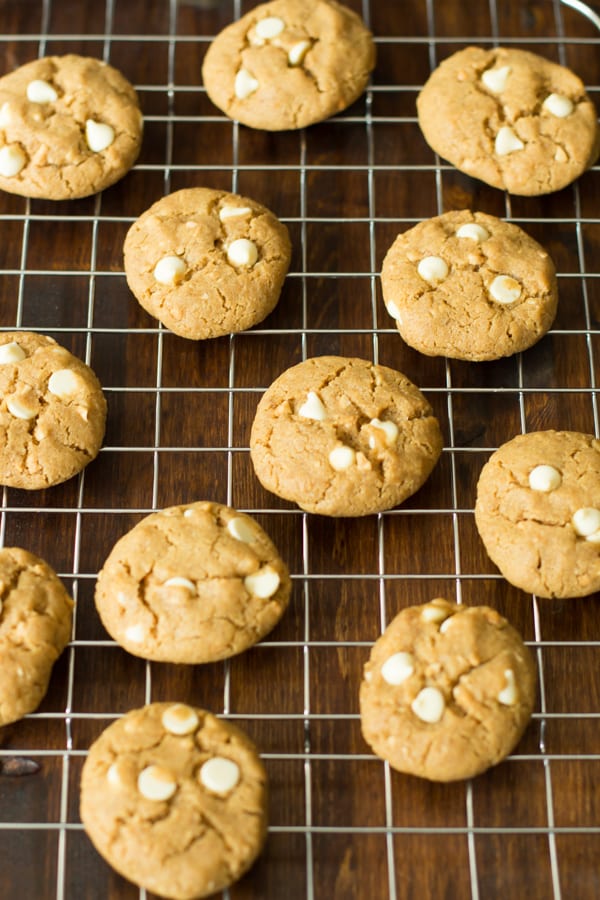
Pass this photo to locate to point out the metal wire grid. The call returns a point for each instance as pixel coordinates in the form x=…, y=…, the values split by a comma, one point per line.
x=304, y=578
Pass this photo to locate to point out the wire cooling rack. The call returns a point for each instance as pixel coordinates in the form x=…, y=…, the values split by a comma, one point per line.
x=342, y=824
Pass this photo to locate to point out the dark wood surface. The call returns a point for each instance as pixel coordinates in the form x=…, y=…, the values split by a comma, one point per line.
x=342, y=827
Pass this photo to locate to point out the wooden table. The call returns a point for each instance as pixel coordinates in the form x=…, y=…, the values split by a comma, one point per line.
x=342, y=825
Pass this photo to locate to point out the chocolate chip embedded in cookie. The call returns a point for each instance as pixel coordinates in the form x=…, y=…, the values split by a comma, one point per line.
x=341, y=436
x=538, y=512
x=510, y=118
x=289, y=63
x=207, y=263
x=175, y=800
x=447, y=692
x=70, y=126
x=192, y=584
x=469, y=286
x=52, y=412
x=36, y=615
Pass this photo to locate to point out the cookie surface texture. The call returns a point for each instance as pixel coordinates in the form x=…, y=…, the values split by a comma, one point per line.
x=447, y=692
x=289, y=63
x=511, y=118
x=175, y=800
x=70, y=126
x=341, y=436
x=36, y=615
x=52, y=412
x=192, y=584
x=207, y=263
x=538, y=512
x=469, y=286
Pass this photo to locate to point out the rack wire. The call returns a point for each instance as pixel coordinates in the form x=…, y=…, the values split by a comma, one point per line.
x=342, y=824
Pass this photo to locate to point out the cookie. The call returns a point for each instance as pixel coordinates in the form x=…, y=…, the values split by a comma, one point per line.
x=36, y=616
x=341, y=436
x=289, y=63
x=207, y=263
x=192, y=584
x=70, y=126
x=469, y=286
x=538, y=512
x=175, y=800
x=511, y=118
x=447, y=692
x=52, y=412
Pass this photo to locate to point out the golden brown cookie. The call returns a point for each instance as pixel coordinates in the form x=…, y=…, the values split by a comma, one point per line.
x=52, y=412
x=36, y=615
x=469, y=286
x=207, y=263
x=538, y=512
x=341, y=436
x=447, y=692
x=70, y=126
x=192, y=584
x=510, y=118
x=289, y=63
x=175, y=800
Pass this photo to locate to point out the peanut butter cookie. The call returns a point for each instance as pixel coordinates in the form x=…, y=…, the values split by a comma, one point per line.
x=511, y=118
x=447, y=692
x=192, y=584
x=289, y=63
x=70, y=126
x=175, y=800
x=341, y=436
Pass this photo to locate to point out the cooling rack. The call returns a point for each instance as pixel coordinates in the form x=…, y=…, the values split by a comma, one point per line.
x=342, y=824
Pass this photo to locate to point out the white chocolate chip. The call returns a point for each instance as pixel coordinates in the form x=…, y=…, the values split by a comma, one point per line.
x=505, y=289
x=313, y=408
x=495, y=79
x=189, y=513
x=20, y=408
x=508, y=694
x=135, y=634
x=64, y=383
x=178, y=581
x=432, y=269
x=544, y=478
x=446, y=624
x=560, y=155
x=297, y=52
x=389, y=429
x=473, y=231
x=264, y=583
x=39, y=91
x=219, y=774
x=98, y=135
x=240, y=529
x=12, y=160
x=342, y=457
x=507, y=141
x=242, y=253
x=11, y=353
x=232, y=212
x=558, y=105
x=5, y=114
x=156, y=783
x=397, y=668
x=113, y=776
x=586, y=522
x=169, y=270
x=434, y=613
x=269, y=28
x=429, y=705
x=245, y=84
x=393, y=310
x=180, y=719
